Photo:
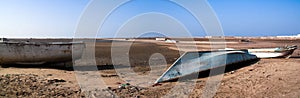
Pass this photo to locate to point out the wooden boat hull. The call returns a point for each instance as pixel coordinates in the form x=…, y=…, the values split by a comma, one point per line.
x=194, y=62
x=39, y=53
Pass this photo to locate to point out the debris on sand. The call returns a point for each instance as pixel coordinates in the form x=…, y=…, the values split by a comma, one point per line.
x=56, y=80
x=109, y=75
x=32, y=86
x=127, y=90
x=29, y=86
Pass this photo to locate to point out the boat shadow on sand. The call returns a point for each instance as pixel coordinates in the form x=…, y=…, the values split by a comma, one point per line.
x=66, y=67
x=295, y=57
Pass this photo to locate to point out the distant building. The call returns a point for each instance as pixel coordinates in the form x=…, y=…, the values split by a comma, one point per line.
x=295, y=36
x=214, y=37
x=161, y=39
x=171, y=41
x=3, y=39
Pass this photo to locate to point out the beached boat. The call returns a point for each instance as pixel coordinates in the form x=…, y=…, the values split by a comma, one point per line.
x=194, y=62
x=273, y=52
x=39, y=52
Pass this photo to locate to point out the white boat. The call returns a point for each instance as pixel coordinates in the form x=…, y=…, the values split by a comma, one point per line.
x=270, y=52
x=273, y=52
x=39, y=52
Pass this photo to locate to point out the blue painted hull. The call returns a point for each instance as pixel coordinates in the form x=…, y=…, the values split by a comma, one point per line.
x=193, y=62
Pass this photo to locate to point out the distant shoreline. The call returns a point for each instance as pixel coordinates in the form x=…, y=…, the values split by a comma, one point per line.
x=206, y=37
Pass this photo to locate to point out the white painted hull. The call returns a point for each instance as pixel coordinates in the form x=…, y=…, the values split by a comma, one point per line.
x=39, y=53
x=269, y=55
x=273, y=52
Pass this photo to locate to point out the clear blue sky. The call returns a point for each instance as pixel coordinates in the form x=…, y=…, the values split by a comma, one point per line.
x=59, y=18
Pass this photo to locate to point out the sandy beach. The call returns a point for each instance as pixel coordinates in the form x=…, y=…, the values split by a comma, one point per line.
x=148, y=59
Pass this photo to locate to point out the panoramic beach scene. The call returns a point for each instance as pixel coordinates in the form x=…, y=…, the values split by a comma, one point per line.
x=149, y=49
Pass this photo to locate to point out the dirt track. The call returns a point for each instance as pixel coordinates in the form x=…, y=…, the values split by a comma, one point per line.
x=277, y=77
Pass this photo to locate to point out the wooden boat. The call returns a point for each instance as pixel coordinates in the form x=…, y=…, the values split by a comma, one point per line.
x=194, y=62
x=39, y=52
x=273, y=52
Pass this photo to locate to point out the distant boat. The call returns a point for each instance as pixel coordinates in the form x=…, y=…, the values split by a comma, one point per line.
x=273, y=52
x=194, y=62
x=39, y=52
x=270, y=52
